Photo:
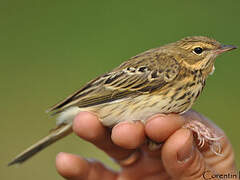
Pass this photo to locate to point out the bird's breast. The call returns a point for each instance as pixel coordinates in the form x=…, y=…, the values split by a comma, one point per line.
x=176, y=99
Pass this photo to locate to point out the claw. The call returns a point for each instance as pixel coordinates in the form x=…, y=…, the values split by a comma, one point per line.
x=216, y=149
x=199, y=144
x=205, y=135
x=203, y=142
x=214, y=138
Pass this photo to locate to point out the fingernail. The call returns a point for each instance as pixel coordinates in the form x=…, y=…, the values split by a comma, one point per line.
x=156, y=116
x=186, y=151
x=123, y=123
x=155, y=119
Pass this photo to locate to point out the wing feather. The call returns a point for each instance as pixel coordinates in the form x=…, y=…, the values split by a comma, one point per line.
x=130, y=79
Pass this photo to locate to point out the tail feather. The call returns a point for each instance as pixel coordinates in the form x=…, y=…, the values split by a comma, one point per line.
x=55, y=135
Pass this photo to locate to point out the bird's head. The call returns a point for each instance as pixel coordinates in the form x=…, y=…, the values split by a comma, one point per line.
x=199, y=52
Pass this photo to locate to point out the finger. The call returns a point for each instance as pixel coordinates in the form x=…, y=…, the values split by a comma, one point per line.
x=87, y=126
x=180, y=157
x=129, y=135
x=73, y=167
x=223, y=163
x=160, y=127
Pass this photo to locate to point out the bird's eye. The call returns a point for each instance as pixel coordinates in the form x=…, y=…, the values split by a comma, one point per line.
x=198, y=50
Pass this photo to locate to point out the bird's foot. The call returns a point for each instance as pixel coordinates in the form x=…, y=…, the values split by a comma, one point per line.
x=205, y=136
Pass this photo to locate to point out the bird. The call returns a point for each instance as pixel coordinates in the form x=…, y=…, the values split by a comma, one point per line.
x=167, y=79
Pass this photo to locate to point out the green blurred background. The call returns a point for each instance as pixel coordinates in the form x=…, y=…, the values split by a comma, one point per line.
x=48, y=49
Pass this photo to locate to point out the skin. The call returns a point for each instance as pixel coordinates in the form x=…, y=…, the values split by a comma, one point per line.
x=178, y=158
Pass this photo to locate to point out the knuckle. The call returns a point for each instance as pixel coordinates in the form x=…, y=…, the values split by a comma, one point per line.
x=196, y=168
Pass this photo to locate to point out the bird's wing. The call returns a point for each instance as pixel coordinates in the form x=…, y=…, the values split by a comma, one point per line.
x=132, y=78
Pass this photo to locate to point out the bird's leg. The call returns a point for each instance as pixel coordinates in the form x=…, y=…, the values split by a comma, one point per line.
x=152, y=145
x=205, y=136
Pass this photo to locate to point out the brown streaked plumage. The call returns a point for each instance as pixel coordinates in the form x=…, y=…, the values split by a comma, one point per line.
x=167, y=79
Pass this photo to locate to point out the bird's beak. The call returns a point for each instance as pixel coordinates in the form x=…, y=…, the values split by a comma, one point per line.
x=224, y=48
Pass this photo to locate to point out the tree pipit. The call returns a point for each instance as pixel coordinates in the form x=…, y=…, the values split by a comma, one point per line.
x=165, y=80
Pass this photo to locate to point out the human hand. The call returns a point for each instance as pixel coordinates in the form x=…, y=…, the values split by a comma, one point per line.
x=178, y=158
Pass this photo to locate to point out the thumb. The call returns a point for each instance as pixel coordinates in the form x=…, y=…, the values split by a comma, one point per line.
x=181, y=158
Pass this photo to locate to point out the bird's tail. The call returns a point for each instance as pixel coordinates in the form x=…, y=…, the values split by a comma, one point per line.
x=56, y=134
